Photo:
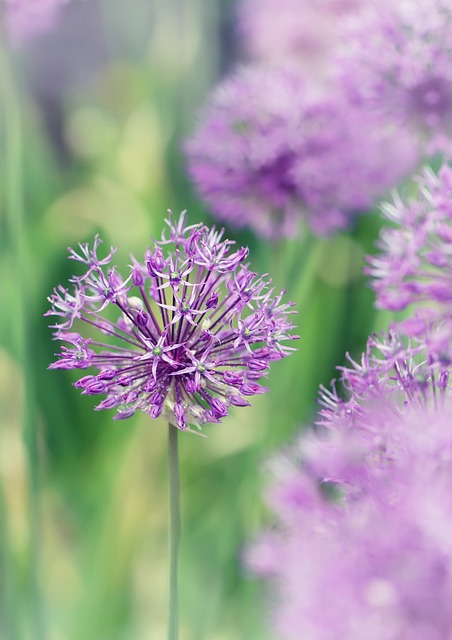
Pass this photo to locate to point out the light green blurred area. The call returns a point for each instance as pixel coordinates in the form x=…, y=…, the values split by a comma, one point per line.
x=103, y=154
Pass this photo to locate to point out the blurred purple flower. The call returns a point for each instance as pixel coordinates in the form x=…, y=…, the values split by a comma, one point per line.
x=398, y=56
x=273, y=148
x=363, y=542
x=307, y=31
x=26, y=19
x=187, y=334
x=414, y=266
x=396, y=374
x=373, y=559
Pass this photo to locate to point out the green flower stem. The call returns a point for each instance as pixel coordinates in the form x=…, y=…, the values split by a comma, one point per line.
x=8, y=589
x=20, y=331
x=174, y=530
x=286, y=259
x=277, y=262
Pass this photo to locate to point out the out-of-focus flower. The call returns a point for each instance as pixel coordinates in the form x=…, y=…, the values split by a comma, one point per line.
x=307, y=31
x=414, y=265
x=398, y=56
x=410, y=366
x=274, y=147
x=363, y=542
x=28, y=18
x=397, y=373
x=363, y=546
x=185, y=335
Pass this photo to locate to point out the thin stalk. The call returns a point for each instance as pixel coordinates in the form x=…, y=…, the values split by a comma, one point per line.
x=277, y=263
x=288, y=260
x=8, y=589
x=20, y=331
x=174, y=530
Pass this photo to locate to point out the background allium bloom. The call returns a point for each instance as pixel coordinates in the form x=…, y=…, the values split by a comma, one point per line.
x=397, y=373
x=274, y=147
x=399, y=57
x=187, y=334
x=376, y=561
x=28, y=18
x=275, y=29
x=414, y=266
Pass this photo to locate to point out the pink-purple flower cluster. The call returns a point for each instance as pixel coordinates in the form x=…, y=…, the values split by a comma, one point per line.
x=287, y=139
x=306, y=31
x=362, y=547
x=397, y=55
x=26, y=19
x=397, y=373
x=414, y=264
x=188, y=333
x=273, y=148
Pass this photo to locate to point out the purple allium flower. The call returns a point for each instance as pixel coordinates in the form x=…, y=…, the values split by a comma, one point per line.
x=363, y=546
x=188, y=333
x=414, y=266
x=396, y=374
x=363, y=542
x=398, y=55
x=28, y=18
x=274, y=147
x=276, y=29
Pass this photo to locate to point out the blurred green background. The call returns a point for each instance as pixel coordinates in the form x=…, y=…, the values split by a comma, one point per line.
x=105, y=101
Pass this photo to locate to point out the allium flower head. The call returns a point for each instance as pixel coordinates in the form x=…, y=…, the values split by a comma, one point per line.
x=187, y=334
x=396, y=374
x=367, y=555
x=414, y=265
x=274, y=147
x=28, y=18
x=398, y=55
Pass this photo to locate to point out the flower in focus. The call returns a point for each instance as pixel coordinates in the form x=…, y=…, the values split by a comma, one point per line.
x=188, y=333
x=274, y=148
x=28, y=18
x=414, y=265
x=398, y=55
x=363, y=545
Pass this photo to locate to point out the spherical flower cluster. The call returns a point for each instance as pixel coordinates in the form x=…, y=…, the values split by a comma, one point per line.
x=398, y=56
x=363, y=546
x=274, y=147
x=28, y=18
x=396, y=373
x=276, y=29
x=414, y=265
x=363, y=502
x=187, y=334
